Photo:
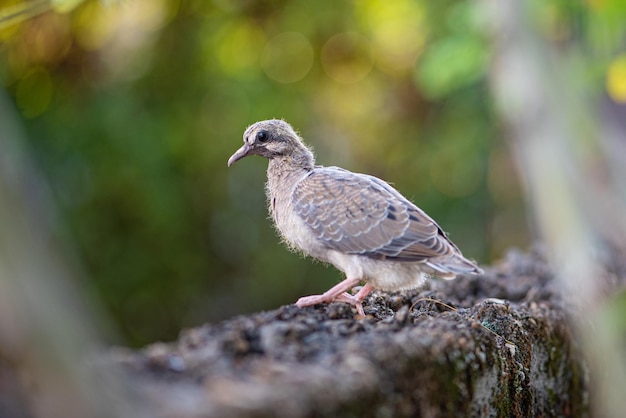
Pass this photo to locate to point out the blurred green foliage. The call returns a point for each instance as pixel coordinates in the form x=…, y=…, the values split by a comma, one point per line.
x=133, y=108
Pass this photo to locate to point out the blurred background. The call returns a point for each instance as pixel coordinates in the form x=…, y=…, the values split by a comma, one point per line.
x=131, y=110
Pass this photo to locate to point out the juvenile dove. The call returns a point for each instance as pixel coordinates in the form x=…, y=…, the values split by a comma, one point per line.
x=356, y=222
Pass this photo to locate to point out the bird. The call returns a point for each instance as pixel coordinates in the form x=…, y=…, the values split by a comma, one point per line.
x=357, y=222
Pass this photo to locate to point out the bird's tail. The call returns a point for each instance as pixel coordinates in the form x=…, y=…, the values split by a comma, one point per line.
x=449, y=267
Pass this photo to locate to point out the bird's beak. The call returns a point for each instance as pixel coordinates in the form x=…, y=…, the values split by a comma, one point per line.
x=239, y=154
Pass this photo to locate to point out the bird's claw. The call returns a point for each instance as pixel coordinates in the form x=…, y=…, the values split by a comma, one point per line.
x=344, y=297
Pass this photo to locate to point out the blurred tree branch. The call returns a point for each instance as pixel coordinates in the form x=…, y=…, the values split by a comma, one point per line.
x=20, y=12
x=576, y=202
x=48, y=326
x=17, y=13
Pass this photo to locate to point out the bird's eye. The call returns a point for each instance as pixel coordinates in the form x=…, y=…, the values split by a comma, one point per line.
x=262, y=136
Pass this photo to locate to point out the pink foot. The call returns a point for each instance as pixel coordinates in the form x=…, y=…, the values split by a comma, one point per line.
x=352, y=300
x=311, y=300
x=339, y=293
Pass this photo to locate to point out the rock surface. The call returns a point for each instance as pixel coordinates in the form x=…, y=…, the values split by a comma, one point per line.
x=505, y=350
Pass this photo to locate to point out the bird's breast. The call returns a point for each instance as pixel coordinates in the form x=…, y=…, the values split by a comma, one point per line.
x=291, y=227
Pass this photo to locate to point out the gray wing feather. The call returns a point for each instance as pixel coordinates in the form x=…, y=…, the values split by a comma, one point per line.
x=361, y=214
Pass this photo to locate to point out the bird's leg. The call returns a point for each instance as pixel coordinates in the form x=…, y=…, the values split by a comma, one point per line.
x=334, y=293
x=356, y=300
x=365, y=290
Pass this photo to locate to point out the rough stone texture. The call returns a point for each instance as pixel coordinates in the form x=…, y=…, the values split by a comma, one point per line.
x=409, y=357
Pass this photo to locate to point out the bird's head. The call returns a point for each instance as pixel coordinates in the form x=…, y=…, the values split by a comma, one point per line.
x=272, y=139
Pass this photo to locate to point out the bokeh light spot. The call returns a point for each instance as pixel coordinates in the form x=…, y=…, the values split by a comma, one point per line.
x=64, y=6
x=397, y=31
x=347, y=57
x=287, y=57
x=145, y=15
x=239, y=46
x=50, y=40
x=128, y=54
x=350, y=105
x=451, y=63
x=616, y=79
x=94, y=25
x=33, y=92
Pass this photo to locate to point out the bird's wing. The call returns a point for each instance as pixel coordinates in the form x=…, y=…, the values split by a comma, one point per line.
x=360, y=214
